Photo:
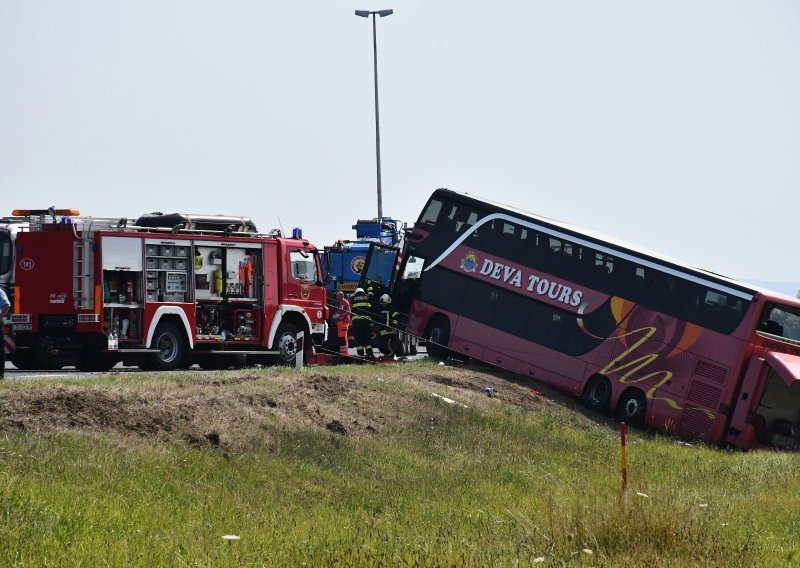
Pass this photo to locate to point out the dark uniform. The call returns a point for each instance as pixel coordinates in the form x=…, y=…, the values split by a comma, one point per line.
x=361, y=307
x=390, y=334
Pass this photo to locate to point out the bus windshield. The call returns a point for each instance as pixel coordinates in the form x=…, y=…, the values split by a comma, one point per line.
x=782, y=321
x=380, y=265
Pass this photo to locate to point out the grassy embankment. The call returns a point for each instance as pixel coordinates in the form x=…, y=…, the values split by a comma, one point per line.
x=493, y=484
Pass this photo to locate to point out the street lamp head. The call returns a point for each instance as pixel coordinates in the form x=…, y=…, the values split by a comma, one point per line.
x=367, y=13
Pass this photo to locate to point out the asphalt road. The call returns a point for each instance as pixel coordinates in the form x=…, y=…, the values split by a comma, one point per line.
x=14, y=374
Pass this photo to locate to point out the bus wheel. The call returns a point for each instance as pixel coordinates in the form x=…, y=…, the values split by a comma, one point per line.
x=597, y=394
x=286, y=343
x=438, y=337
x=168, y=339
x=632, y=408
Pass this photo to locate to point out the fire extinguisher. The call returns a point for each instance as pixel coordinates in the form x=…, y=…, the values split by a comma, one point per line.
x=248, y=279
x=129, y=290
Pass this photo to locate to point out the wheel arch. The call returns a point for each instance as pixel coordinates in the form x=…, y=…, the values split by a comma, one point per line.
x=172, y=314
x=605, y=407
x=434, y=316
x=291, y=314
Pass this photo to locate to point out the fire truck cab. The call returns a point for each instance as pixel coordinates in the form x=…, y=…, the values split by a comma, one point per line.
x=164, y=292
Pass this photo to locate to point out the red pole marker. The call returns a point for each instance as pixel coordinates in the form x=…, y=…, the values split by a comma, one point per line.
x=622, y=430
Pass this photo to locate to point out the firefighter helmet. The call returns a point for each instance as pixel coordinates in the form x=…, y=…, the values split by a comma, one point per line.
x=358, y=291
x=386, y=300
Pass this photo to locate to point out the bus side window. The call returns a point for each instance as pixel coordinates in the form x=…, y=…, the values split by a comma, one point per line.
x=431, y=214
x=447, y=223
x=464, y=218
x=541, y=253
x=413, y=268
x=630, y=286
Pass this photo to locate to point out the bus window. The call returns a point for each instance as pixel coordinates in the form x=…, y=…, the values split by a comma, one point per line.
x=781, y=321
x=710, y=308
x=431, y=213
x=413, y=268
x=465, y=218
x=381, y=264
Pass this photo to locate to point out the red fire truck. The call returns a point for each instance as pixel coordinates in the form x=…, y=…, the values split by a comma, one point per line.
x=164, y=292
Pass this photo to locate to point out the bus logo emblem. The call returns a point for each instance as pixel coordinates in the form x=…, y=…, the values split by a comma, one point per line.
x=470, y=262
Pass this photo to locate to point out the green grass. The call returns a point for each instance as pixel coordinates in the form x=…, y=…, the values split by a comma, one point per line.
x=486, y=486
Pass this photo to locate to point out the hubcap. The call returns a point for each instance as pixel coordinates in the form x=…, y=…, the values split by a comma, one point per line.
x=167, y=348
x=288, y=346
x=632, y=408
x=598, y=393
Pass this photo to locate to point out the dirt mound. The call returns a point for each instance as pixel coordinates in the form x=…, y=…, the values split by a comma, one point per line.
x=233, y=409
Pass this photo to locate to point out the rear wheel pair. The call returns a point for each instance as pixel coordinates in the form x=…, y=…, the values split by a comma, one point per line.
x=631, y=408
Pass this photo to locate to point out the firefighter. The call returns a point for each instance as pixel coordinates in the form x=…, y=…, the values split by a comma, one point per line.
x=390, y=334
x=362, y=318
x=341, y=318
x=5, y=305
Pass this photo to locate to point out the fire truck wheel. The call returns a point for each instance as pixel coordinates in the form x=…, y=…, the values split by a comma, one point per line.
x=632, y=408
x=438, y=337
x=597, y=394
x=169, y=341
x=286, y=343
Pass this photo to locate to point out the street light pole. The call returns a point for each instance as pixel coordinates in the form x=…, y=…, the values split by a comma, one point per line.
x=382, y=14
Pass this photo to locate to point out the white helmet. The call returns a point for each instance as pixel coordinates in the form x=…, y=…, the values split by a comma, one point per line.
x=358, y=291
x=385, y=299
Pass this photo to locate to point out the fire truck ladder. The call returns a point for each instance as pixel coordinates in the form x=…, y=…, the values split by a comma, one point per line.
x=83, y=273
x=83, y=259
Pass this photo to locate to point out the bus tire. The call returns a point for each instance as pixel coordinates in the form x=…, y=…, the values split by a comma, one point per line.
x=171, y=345
x=632, y=408
x=597, y=394
x=286, y=343
x=438, y=336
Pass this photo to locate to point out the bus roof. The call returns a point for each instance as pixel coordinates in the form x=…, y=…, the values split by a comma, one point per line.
x=623, y=248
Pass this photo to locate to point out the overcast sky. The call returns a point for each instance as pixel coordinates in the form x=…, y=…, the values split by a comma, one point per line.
x=674, y=125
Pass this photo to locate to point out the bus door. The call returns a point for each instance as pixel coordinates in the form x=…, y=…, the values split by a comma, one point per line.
x=398, y=274
x=767, y=412
x=379, y=268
